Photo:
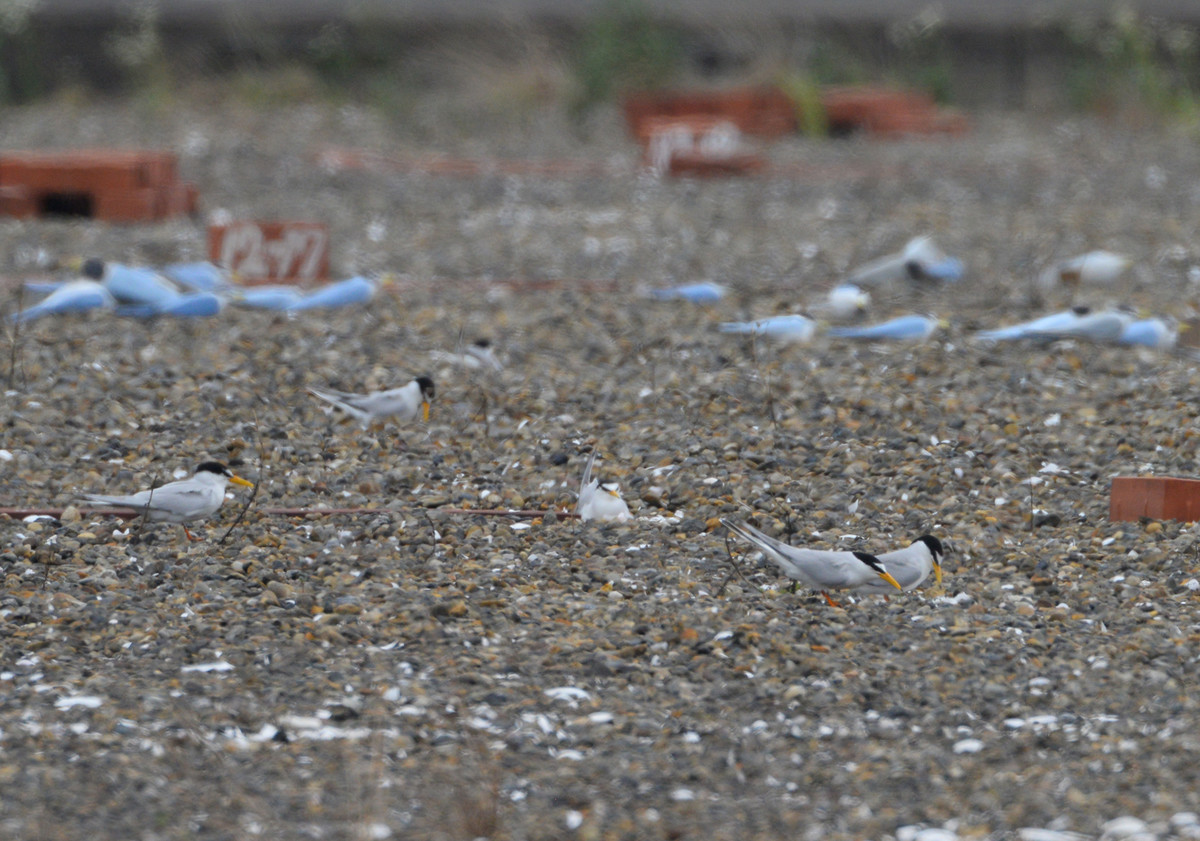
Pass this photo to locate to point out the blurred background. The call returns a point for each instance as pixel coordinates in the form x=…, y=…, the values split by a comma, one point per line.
x=517, y=54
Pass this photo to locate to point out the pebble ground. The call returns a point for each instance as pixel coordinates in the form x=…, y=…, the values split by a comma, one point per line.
x=415, y=673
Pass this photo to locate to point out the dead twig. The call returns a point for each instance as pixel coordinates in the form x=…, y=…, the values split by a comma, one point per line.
x=483, y=408
x=258, y=480
x=764, y=371
x=131, y=513
x=145, y=517
x=15, y=345
x=735, y=569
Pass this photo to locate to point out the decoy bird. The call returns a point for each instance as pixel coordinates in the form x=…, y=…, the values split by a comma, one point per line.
x=908, y=328
x=698, y=293
x=920, y=259
x=72, y=296
x=788, y=328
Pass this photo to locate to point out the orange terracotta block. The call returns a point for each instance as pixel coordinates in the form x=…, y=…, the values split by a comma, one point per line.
x=115, y=185
x=268, y=252
x=127, y=206
x=179, y=199
x=17, y=202
x=1189, y=333
x=1134, y=498
x=757, y=111
x=887, y=112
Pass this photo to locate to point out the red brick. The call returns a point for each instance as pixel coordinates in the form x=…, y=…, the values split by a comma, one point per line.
x=1159, y=498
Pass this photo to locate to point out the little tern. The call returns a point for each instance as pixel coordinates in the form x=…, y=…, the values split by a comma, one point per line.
x=600, y=501
x=818, y=569
x=405, y=402
x=910, y=565
x=195, y=498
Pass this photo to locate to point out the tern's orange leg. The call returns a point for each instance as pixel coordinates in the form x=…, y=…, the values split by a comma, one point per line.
x=190, y=536
x=831, y=602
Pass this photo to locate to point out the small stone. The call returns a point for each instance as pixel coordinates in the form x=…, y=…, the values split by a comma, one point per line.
x=1125, y=826
x=793, y=692
x=1182, y=819
x=1036, y=834
x=1047, y=520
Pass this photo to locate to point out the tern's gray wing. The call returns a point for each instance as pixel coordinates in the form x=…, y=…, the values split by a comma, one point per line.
x=909, y=566
x=343, y=400
x=587, y=470
x=394, y=401
x=176, y=501
x=403, y=402
x=587, y=489
x=819, y=569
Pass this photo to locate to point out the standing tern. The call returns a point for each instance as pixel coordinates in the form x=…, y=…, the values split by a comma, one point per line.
x=818, y=569
x=405, y=402
x=600, y=501
x=194, y=498
x=910, y=565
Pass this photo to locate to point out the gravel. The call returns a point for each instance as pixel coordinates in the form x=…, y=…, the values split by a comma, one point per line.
x=415, y=673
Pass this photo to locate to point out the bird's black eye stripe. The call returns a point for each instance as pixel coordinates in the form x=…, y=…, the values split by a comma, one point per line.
x=870, y=560
x=935, y=546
